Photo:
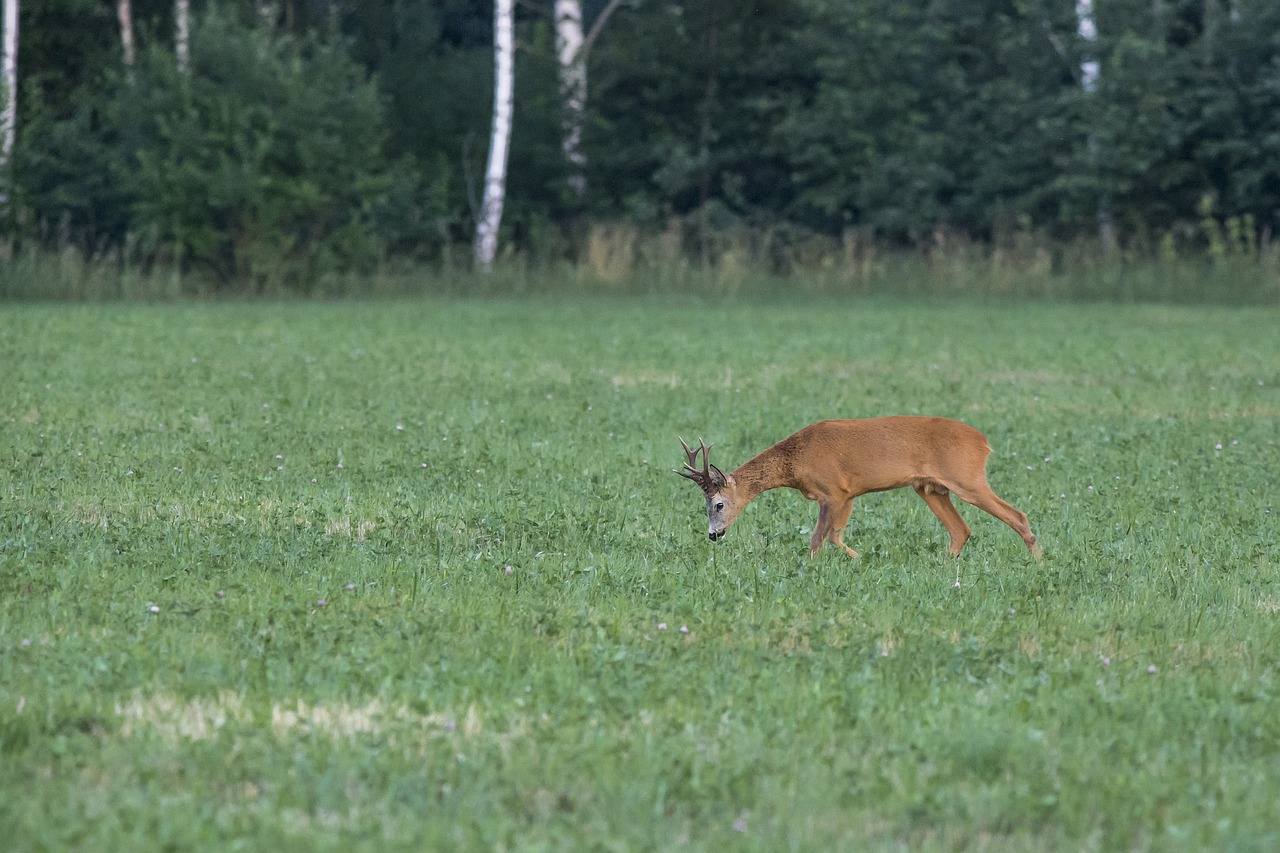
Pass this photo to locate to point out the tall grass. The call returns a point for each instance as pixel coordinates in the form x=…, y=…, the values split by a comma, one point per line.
x=417, y=574
x=1219, y=263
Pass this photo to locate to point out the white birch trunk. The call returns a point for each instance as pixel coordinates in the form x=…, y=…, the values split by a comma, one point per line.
x=1090, y=73
x=495, y=181
x=1087, y=28
x=269, y=12
x=182, y=34
x=573, y=89
x=124, y=11
x=9, y=115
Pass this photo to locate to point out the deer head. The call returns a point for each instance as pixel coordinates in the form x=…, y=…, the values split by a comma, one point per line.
x=722, y=508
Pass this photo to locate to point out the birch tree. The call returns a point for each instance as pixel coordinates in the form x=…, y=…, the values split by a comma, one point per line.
x=495, y=181
x=1090, y=72
x=9, y=115
x=182, y=34
x=572, y=47
x=573, y=89
x=124, y=12
x=1087, y=29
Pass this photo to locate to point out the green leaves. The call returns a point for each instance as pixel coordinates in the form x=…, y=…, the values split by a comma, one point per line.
x=346, y=134
x=265, y=163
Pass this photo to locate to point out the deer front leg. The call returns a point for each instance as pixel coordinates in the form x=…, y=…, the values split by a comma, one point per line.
x=832, y=517
x=839, y=518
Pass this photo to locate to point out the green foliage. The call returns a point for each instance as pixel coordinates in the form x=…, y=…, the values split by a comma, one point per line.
x=265, y=167
x=265, y=162
x=719, y=123
x=72, y=188
x=183, y=486
x=434, y=69
x=963, y=117
x=686, y=96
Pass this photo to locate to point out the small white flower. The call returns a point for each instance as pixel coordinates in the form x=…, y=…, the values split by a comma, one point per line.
x=153, y=608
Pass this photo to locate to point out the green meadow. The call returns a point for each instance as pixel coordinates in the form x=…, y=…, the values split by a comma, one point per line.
x=417, y=574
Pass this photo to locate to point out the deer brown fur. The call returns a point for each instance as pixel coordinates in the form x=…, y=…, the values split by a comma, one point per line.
x=833, y=462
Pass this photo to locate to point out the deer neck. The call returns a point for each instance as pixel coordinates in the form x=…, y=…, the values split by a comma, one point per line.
x=771, y=469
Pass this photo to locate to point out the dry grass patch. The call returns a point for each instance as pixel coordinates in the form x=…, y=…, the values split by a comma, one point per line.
x=202, y=718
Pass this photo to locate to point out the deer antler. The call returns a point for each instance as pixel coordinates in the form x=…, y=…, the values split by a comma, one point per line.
x=709, y=478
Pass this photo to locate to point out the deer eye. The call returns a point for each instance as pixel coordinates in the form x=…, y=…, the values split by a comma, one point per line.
x=719, y=505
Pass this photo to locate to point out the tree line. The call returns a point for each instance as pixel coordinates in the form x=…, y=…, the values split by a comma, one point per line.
x=268, y=142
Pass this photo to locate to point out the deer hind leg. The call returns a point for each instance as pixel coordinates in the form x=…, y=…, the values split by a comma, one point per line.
x=940, y=502
x=981, y=496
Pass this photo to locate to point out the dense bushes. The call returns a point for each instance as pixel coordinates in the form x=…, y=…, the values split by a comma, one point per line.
x=264, y=165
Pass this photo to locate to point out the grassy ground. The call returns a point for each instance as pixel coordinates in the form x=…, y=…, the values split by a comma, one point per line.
x=418, y=575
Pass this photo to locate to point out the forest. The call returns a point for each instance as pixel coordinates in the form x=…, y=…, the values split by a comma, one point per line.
x=312, y=137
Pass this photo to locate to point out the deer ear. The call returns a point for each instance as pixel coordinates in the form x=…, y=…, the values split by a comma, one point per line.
x=718, y=478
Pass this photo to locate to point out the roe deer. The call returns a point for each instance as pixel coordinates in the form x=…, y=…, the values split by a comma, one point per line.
x=833, y=462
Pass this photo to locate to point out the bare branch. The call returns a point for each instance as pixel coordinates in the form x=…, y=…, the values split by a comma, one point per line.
x=598, y=26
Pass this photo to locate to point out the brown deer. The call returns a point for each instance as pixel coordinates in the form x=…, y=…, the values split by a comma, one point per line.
x=833, y=462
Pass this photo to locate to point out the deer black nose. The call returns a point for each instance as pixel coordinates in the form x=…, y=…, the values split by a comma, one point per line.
x=715, y=534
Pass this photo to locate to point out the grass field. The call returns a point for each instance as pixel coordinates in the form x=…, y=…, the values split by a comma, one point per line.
x=417, y=575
